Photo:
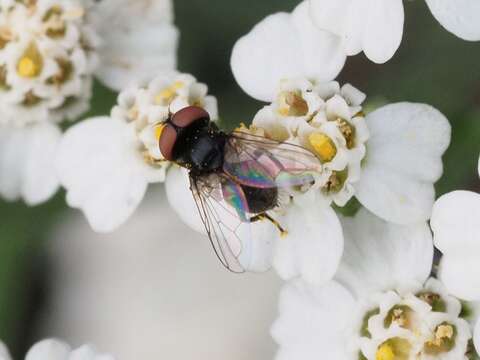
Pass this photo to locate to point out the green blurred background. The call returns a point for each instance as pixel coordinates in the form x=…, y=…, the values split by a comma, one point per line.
x=432, y=66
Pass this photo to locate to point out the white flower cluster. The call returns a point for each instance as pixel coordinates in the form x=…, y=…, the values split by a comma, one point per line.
x=424, y=325
x=128, y=144
x=382, y=303
x=50, y=51
x=328, y=121
x=47, y=57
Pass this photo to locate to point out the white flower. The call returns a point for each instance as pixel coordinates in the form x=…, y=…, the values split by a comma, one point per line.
x=381, y=305
x=106, y=163
x=47, y=56
x=376, y=27
x=457, y=235
x=50, y=51
x=53, y=349
x=389, y=160
x=285, y=46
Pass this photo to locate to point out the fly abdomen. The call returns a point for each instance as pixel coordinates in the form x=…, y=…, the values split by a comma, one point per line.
x=260, y=200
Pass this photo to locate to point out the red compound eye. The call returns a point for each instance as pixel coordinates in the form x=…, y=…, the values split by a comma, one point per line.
x=188, y=115
x=167, y=141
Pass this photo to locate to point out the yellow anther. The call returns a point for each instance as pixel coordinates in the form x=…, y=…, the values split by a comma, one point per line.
x=284, y=111
x=385, y=352
x=443, y=340
x=75, y=13
x=323, y=146
x=292, y=104
x=31, y=63
x=159, y=130
x=167, y=95
x=242, y=127
x=444, y=332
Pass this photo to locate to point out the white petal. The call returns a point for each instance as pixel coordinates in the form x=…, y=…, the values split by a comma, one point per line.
x=4, y=354
x=331, y=15
x=102, y=171
x=380, y=255
x=258, y=242
x=285, y=46
x=49, y=350
x=87, y=352
x=314, y=244
x=476, y=336
x=374, y=26
x=461, y=275
x=345, y=18
x=313, y=322
x=27, y=167
x=383, y=29
x=138, y=41
x=177, y=186
x=404, y=160
x=457, y=235
x=459, y=17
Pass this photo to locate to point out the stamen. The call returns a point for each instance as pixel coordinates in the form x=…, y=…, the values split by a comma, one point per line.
x=31, y=99
x=292, y=104
x=64, y=74
x=399, y=315
x=167, y=95
x=3, y=78
x=5, y=36
x=336, y=181
x=30, y=64
x=323, y=146
x=348, y=132
x=443, y=339
x=434, y=300
x=54, y=23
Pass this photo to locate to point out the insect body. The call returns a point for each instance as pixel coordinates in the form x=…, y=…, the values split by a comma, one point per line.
x=235, y=178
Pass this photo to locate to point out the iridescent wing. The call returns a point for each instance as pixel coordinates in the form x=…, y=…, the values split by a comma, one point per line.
x=222, y=218
x=259, y=162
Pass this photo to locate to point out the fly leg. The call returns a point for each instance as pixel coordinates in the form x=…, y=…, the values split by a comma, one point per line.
x=265, y=216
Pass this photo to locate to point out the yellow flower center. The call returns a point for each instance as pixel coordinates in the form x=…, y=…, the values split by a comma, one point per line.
x=394, y=349
x=31, y=63
x=167, y=95
x=385, y=352
x=323, y=146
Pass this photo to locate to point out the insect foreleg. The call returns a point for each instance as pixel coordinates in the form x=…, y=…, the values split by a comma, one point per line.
x=265, y=216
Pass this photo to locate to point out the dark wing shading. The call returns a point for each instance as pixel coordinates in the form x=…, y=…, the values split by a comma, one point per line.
x=259, y=162
x=222, y=221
